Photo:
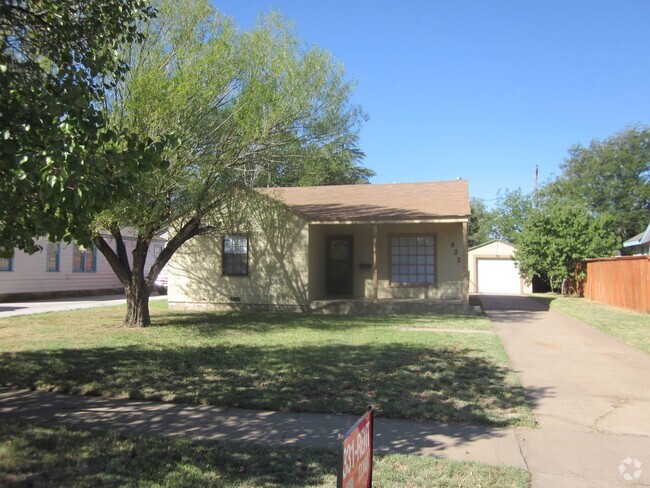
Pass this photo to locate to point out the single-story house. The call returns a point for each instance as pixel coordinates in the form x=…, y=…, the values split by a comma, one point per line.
x=62, y=270
x=640, y=243
x=346, y=248
x=493, y=269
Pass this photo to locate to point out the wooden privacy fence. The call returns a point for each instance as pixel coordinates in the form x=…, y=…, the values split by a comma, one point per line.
x=622, y=282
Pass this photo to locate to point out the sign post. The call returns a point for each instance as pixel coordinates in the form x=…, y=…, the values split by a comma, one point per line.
x=355, y=453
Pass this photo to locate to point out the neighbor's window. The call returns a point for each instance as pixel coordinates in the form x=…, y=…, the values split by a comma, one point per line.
x=235, y=255
x=412, y=260
x=6, y=264
x=84, y=260
x=53, y=249
x=157, y=249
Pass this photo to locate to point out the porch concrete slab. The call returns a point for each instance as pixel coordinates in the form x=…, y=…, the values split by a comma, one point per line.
x=569, y=458
x=465, y=443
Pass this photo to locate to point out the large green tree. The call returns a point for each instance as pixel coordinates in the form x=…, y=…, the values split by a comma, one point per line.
x=511, y=210
x=554, y=239
x=59, y=165
x=611, y=177
x=480, y=223
x=246, y=108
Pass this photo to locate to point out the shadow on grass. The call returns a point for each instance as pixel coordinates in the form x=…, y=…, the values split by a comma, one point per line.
x=58, y=456
x=400, y=380
x=211, y=323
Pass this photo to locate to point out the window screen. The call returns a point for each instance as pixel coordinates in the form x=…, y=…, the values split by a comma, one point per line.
x=84, y=261
x=53, y=256
x=412, y=260
x=235, y=255
x=6, y=264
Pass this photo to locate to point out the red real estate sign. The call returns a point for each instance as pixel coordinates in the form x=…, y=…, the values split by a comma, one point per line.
x=355, y=463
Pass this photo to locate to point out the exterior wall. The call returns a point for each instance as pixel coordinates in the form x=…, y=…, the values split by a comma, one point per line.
x=493, y=250
x=450, y=262
x=29, y=275
x=277, y=267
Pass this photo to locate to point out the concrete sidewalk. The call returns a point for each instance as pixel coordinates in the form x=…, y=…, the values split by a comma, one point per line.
x=465, y=443
x=13, y=309
x=589, y=392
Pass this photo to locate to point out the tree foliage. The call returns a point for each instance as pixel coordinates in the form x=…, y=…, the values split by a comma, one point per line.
x=480, y=224
x=59, y=165
x=246, y=108
x=556, y=238
x=611, y=177
x=509, y=214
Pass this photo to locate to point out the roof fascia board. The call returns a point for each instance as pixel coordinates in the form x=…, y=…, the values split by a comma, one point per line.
x=458, y=220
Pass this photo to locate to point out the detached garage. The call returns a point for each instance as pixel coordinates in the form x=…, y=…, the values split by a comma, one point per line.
x=492, y=269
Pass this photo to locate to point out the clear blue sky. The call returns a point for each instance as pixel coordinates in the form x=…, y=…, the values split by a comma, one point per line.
x=484, y=90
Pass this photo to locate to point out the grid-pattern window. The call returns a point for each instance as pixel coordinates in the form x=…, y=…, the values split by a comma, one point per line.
x=413, y=260
x=84, y=260
x=235, y=255
x=53, y=249
x=6, y=264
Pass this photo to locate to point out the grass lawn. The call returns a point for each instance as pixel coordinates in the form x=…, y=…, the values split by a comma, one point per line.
x=630, y=327
x=31, y=455
x=418, y=367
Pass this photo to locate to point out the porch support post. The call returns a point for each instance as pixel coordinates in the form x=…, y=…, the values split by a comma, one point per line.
x=375, y=278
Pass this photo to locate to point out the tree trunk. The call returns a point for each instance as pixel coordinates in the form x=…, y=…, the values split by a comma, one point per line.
x=137, y=287
x=137, y=303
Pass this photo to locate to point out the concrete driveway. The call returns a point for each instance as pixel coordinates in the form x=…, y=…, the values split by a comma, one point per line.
x=13, y=309
x=590, y=394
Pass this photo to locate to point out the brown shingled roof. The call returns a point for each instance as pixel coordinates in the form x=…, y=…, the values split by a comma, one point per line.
x=394, y=201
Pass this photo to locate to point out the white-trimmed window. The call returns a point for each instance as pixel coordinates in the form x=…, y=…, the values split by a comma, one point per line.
x=413, y=260
x=234, y=257
x=52, y=256
x=84, y=260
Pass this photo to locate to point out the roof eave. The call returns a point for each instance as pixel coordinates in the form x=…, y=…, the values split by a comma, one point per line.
x=434, y=220
x=642, y=240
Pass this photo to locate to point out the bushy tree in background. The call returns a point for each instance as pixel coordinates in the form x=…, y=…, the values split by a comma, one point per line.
x=480, y=224
x=556, y=238
x=59, y=165
x=511, y=210
x=611, y=178
x=245, y=108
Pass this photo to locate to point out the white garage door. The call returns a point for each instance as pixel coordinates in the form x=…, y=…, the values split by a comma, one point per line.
x=498, y=276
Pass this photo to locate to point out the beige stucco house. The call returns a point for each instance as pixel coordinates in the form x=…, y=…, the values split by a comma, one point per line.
x=334, y=248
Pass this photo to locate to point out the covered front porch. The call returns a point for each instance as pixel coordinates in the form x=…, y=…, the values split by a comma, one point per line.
x=386, y=267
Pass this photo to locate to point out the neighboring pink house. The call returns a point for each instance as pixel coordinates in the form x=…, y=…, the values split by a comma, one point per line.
x=61, y=269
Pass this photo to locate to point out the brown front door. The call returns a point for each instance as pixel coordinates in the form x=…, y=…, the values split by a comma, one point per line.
x=339, y=266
